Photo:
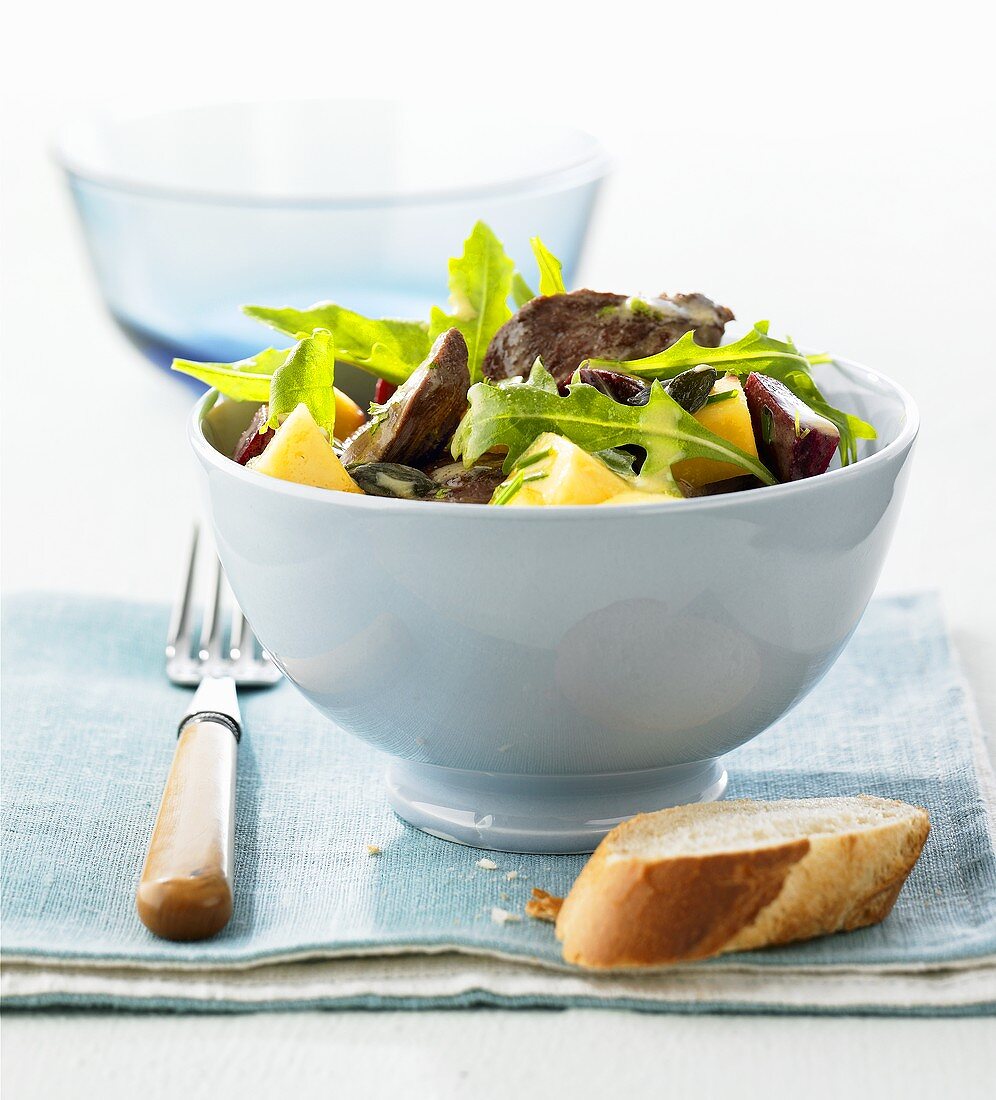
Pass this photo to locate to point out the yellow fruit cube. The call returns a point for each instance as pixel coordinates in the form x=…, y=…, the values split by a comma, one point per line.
x=729, y=419
x=555, y=471
x=634, y=496
x=299, y=451
x=348, y=415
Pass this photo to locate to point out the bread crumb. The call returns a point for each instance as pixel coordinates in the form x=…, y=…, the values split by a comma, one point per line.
x=373, y=849
x=486, y=864
x=503, y=916
x=543, y=906
x=510, y=875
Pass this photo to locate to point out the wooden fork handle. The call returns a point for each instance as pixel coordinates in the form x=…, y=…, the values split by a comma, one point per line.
x=186, y=887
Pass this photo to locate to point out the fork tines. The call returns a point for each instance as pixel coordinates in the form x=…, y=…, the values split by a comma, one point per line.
x=187, y=661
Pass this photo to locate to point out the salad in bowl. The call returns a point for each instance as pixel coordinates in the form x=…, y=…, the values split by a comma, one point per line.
x=578, y=549
x=511, y=398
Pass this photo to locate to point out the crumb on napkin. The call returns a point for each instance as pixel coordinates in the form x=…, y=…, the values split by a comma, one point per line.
x=543, y=906
x=503, y=916
x=486, y=864
x=373, y=849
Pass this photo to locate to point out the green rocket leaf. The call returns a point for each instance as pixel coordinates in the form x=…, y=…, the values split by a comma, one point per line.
x=246, y=380
x=388, y=348
x=480, y=285
x=306, y=377
x=759, y=352
x=512, y=415
x=281, y=377
x=550, y=269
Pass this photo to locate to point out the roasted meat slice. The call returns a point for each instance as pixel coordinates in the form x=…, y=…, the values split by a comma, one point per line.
x=566, y=329
x=467, y=486
x=422, y=415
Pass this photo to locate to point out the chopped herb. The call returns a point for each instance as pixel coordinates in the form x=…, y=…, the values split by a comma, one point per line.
x=531, y=460
x=725, y=395
x=504, y=493
x=537, y=475
x=641, y=307
x=767, y=423
x=378, y=414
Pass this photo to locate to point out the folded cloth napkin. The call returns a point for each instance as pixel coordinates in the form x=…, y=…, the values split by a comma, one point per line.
x=323, y=921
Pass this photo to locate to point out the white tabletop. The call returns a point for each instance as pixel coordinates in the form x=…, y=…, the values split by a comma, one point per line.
x=856, y=214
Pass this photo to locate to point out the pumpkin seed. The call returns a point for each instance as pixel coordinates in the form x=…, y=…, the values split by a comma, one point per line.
x=391, y=479
x=691, y=388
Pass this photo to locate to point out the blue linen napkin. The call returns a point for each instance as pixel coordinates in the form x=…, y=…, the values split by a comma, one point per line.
x=88, y=722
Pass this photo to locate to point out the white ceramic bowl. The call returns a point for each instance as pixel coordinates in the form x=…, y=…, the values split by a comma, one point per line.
x=536, y=675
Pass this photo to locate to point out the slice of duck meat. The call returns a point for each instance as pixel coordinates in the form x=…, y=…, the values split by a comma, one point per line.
x=566, y=329
x=422, y=415
x=468, y=486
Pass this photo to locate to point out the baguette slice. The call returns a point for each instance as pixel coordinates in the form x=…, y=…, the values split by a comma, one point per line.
x=701, y=880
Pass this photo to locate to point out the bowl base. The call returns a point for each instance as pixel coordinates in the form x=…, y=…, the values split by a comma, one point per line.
x=540, y=814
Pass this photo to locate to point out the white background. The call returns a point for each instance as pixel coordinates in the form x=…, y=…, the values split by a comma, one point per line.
x=830, y=167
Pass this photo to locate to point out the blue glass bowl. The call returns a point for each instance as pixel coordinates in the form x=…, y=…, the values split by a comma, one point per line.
x=190, y=213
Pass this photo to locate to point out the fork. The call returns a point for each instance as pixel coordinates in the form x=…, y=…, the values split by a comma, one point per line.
x=185, y=892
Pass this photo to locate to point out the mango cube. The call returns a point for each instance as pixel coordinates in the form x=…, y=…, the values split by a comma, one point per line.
x=299, y=451
x=556, y=471
x=348, y=415
x=729, y=419
x=634, y=496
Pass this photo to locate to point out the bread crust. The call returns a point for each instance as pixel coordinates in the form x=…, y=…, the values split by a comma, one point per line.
x=630, y=911
x=543, y=906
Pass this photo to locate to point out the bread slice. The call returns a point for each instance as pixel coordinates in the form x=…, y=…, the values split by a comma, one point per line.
x=701, y=880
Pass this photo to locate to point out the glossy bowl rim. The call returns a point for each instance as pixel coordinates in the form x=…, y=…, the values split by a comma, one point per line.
x=207, y=454
x=592, y=167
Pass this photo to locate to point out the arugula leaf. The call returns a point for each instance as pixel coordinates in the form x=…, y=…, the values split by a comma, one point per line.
x=757, y=351
x=521, y=291
x=389, y=348
x=480, y=284
x=306, y=377
x=281, y=377
x=550, y=269
x=481, y=281
x=246, y=380
x=618, y=461
x=512, y=415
